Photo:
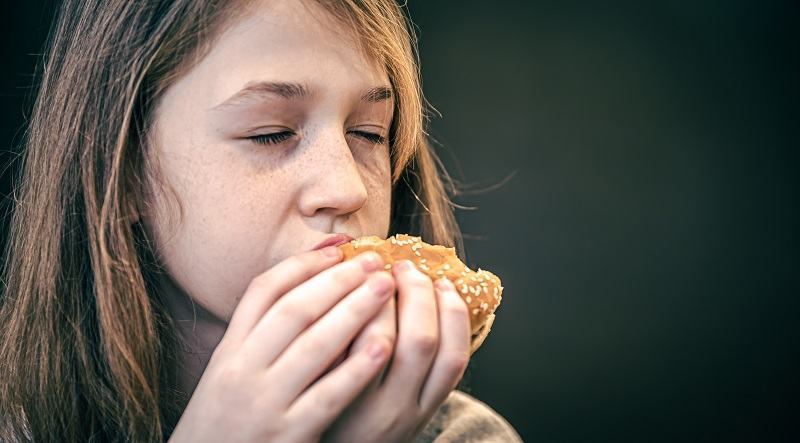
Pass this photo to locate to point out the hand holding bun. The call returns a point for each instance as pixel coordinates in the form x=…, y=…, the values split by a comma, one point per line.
x=480, y=290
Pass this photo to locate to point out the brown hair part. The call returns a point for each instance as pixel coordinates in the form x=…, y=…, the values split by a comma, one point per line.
x=88, y=351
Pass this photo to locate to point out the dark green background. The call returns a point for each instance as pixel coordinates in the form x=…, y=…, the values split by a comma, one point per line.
x=646, y=226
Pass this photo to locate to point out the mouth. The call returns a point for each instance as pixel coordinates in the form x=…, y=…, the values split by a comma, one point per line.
x=333, y=240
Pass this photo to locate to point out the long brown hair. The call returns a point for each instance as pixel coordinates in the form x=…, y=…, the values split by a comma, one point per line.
x=88, y=351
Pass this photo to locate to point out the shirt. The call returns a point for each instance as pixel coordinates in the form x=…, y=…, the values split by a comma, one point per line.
x=465, y=419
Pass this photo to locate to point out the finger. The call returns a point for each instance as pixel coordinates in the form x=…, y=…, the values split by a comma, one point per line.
x=453, y=356
x=267, y=287
x=320, y=344
x=339, y=360
x=383, y=325
x=292, y=313
x=324, y=401
x=418, y=332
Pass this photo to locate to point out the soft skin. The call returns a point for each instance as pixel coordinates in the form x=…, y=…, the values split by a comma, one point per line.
x=247, y=205
x=247, y=294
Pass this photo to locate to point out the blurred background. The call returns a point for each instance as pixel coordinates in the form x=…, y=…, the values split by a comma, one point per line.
x=635, y=171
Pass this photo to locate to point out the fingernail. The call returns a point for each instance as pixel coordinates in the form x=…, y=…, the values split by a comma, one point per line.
x=371, y=262
x=404, y=265
x=444, y=284
x=332, y=251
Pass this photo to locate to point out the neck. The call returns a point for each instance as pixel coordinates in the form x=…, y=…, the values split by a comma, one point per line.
x=198, y=331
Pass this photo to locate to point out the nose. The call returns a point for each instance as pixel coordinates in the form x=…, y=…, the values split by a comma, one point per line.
x=333, y=180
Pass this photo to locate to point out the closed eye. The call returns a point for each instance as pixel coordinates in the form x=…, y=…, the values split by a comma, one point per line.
x=271, y=139
x=279, y=137
x=371, y=137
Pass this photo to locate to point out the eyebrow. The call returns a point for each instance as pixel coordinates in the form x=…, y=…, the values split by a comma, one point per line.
x=377, y=94
x=293, y=91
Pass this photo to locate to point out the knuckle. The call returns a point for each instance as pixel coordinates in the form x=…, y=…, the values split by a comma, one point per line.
x=323, y=406
x=313, y=344
x=358, y=309
x=302, y=260
x=344, y=275
x=229, y=375
x=296, y=312
x=385, y=346
x=381, y=276
x=385, y=275
x=455, y=365
x=259, y=283
x=381, y=326
x=389, y=333
x=293, y=262
x=456, y=306
x=385, y=340
x=417, y=279
x=425, y=343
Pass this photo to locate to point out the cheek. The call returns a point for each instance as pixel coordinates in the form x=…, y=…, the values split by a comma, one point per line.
x=378, y=181
x=232, y=212
x=385, y=189
x=221, y=240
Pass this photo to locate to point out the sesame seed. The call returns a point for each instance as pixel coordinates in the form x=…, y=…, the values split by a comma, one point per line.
x=469, y=299
x=475, y=311
x=446, y=266
x=387, y=266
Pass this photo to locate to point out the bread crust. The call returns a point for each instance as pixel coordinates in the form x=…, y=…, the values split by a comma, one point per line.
x=481, y=290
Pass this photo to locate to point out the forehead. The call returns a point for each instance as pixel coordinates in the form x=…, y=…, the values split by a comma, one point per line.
x=288, y=40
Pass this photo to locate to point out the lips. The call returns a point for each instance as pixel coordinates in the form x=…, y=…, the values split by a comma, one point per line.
x=333, y=240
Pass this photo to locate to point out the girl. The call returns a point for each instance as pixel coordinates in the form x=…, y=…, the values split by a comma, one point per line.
x=184, y=163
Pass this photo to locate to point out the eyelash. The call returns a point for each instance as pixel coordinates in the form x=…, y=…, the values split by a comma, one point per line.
x=278, y=137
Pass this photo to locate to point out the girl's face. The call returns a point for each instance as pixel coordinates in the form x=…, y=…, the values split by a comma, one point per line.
x=275, y=140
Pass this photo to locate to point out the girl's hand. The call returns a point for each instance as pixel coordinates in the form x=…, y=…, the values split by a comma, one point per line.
x=263, y=380
x=431, y=355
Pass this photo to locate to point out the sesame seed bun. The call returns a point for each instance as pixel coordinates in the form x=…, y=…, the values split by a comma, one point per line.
x=480, y=290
